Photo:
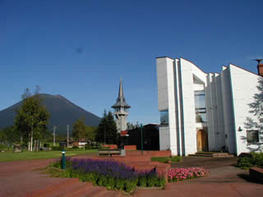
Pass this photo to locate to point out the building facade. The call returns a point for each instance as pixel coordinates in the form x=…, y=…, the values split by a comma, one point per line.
x=205, y=111
x=121, y=110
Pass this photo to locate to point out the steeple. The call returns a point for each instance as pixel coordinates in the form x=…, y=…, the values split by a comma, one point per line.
x=121, y=111
x=120, y=101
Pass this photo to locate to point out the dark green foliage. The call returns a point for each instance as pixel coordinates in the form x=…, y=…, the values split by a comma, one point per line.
x=142, y=182
x=9, y=136
x=254, y=159
x=107, y=131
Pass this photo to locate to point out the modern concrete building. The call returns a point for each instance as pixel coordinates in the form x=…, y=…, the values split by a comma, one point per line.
x=121, y=110
x=206, y=111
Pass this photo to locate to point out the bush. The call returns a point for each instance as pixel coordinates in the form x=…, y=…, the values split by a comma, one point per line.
x=250, y=160
x=245, y=162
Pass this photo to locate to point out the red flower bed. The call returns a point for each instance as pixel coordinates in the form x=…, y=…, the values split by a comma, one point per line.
x=180, y=174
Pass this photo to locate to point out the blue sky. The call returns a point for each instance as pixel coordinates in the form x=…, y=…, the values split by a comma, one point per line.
x=80, y=48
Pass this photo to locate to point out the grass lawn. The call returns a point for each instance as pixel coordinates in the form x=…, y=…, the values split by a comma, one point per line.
x=11, y=156
x=167, y=159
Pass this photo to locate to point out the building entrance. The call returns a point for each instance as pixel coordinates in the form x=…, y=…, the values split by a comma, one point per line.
x=202, y=140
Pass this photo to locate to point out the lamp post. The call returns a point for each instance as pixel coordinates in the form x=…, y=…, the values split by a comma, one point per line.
x=63, y=160
x=141, y=140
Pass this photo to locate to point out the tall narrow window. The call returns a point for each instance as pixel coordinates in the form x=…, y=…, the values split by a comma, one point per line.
x=200, y=107
x=164, y=118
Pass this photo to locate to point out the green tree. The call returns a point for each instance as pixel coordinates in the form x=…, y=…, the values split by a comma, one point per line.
x=79, y=130
x=9, y=136
x=91, y=133
x=107, y=131
x=255, y=122
x=31, y=119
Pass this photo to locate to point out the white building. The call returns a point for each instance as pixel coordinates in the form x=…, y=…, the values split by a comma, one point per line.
x=205, y=111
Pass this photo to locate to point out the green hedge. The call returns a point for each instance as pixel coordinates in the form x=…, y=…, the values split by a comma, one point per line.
x=250, y=160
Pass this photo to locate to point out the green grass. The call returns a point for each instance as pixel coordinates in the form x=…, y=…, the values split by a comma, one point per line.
x=167, y=159
x=11, y=156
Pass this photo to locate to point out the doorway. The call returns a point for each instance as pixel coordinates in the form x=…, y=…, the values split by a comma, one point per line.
x=202, y=140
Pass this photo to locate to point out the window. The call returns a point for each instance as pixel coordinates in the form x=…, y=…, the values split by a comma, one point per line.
x=252, y=136
x=164, y=117
x=200, y=107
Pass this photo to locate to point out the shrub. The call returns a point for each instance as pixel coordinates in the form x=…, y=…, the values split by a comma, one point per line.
x=245, y=162
x=250, y=160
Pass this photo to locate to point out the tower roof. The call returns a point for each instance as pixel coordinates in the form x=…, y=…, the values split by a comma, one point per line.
x=120, y=101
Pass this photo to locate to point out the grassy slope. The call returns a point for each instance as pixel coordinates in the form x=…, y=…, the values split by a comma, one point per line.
x=11, y=156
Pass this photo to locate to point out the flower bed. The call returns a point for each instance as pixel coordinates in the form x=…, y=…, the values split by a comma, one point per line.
x=111, y=174
x=180, y=174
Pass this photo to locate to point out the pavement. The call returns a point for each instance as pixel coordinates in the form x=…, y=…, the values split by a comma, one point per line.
x=25, y=178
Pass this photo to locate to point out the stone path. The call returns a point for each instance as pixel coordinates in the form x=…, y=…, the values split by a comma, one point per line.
x=23, y=178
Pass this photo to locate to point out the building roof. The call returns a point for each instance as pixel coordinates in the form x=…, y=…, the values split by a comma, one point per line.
x=120, y=101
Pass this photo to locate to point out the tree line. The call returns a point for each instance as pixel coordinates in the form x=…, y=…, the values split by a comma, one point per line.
x=31, y=126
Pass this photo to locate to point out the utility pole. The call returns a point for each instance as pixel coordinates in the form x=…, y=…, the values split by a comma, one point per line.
x=104, y=134
x=54, y=136
x=67, y=136
x=31, y=137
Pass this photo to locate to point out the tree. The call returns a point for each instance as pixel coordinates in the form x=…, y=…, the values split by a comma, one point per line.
x=9, y=136
x=91, y=133
x=107, y=131
x=79, y=130
x=31, y=119
x=256, y=121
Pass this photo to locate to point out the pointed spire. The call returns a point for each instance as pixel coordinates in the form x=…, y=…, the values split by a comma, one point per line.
x=121, y=95
x=120, y=102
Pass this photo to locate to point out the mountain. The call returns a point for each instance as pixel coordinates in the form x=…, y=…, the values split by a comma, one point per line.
x=62, y=113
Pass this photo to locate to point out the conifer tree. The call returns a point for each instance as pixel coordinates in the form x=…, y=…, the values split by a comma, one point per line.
x=107, y=131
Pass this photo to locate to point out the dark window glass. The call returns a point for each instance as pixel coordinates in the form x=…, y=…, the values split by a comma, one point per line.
x=164, y=117
x=200, y=107
x=252, y=136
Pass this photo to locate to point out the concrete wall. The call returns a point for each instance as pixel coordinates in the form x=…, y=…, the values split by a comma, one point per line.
x=188, y=106
x=166, y=100
x=243, y=85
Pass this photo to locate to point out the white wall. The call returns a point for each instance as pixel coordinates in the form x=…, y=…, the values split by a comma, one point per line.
x=244, y=86
x=166, y=99
x=189, y=143
x=164, y=138
x=228, y=110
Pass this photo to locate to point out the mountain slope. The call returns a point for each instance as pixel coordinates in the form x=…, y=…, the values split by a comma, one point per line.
x=62, y=112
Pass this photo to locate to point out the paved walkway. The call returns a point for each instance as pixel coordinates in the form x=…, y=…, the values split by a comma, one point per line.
x=24, y=178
